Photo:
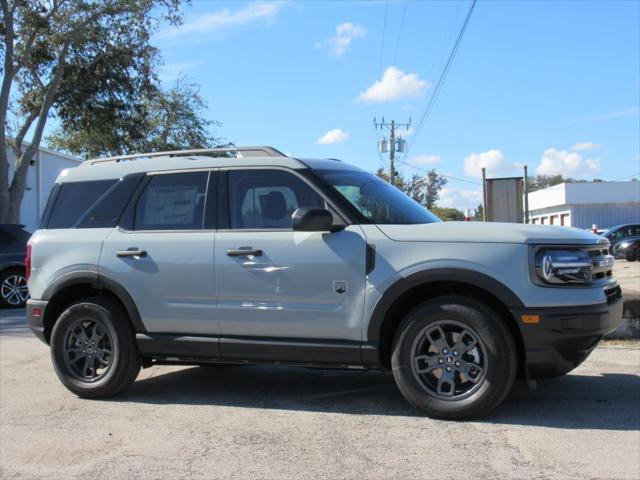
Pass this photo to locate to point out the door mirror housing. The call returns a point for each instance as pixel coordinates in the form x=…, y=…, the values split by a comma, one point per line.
x=309, y=219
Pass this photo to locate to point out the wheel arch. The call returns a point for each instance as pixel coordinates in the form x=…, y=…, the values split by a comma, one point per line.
x=410, y=291
x=74, y=287
x=11, y=265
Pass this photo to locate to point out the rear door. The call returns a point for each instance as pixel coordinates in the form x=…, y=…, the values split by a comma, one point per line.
x=164, y=258
x=274, y=283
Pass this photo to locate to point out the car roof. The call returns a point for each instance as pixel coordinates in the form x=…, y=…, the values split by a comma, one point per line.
x=118, y=167
x=113, y=170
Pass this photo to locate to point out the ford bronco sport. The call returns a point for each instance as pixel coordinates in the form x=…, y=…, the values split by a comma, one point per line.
x=250, y=256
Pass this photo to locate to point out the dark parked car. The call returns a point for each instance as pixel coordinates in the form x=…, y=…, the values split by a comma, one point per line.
x=628, y=249
x=622, y=232
x=13, y=246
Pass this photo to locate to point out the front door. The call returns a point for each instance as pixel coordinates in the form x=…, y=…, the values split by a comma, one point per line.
x=165, y=262
x=274, y=283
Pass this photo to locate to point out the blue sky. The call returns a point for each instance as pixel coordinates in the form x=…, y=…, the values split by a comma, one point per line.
x=555, y=85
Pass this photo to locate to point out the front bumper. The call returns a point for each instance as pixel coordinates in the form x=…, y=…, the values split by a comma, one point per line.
x=35, y=320
x=565, y=336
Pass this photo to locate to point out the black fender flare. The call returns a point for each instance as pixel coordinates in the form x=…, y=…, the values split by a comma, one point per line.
x=458, y=275
x=99, y=282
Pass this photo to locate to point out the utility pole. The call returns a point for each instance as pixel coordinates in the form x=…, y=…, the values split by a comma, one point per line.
x=395, y=143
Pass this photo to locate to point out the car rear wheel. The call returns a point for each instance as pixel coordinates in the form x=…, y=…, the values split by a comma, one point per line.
x=93, y=349
x=632, y=256
x=454, y=358
x=13, y=288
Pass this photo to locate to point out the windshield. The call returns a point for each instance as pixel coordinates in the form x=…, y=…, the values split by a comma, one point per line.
x=375, y=199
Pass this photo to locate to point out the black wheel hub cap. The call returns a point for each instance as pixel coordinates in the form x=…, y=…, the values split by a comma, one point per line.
x=449, y=360
x=88, y=350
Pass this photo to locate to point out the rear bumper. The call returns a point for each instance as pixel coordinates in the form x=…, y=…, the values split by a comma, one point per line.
x=35, y=320
x=566, y=336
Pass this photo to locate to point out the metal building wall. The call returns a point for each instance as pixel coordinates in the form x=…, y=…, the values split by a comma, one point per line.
x=604, y=216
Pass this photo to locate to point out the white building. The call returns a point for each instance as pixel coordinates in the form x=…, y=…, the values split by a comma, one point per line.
x=582, y=205
x=40, y=179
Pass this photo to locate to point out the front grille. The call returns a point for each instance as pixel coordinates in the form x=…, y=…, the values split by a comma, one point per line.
x=601, y=269
x=613, y=293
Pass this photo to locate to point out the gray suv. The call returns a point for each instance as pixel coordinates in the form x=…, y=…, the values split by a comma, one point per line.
x=249, y=256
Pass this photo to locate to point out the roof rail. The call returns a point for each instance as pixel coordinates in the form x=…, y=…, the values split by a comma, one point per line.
x=242, y=152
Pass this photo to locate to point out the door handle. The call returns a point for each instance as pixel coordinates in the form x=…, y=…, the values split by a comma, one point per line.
x=131, y=252
x=241, y=252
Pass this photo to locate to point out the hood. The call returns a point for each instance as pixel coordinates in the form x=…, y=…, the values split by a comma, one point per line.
x=490, y=232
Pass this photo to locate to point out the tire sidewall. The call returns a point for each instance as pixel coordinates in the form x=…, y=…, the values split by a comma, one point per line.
x=500, y=364
x=88, y=310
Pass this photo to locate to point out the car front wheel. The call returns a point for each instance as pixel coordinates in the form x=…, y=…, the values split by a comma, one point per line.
x=454, y=358
x=93, y=348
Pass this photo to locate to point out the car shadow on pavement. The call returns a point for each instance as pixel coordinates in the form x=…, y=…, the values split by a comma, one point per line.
x=12, y=322
x=608, y=402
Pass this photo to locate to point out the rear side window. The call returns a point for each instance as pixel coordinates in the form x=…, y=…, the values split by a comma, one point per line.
x=172, y=202
x=106, y=211
x=73, y=201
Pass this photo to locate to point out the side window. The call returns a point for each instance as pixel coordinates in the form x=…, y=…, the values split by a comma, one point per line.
x=267, y=198
x=172, y=202
x=635, y=230
x=74, y=199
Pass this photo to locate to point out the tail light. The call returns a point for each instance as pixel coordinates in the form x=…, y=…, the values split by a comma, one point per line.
x=27, y=263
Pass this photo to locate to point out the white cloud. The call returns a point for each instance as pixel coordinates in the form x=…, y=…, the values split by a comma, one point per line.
x=584, y=146
x=460, y=198
x=619, y=113
x=492, y=160
x=425, y=160
x=333, y=136
x=394, y=85
x=226, y=18
x=568, y=164
x=339, y=44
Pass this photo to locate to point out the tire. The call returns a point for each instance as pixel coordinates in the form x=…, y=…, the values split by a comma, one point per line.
x=632, y=256
x=488, y=354
x=105, y=322
x=13, y=288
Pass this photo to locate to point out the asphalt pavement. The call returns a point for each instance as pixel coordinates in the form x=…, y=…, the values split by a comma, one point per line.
x=268, y=422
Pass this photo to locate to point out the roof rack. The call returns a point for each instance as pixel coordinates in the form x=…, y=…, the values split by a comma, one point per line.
x=242, y=152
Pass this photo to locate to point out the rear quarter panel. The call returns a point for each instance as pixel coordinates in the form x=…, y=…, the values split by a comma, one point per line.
x=60, y=253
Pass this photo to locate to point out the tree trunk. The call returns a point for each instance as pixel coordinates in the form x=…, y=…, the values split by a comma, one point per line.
x=24, y=158
x=5, y=91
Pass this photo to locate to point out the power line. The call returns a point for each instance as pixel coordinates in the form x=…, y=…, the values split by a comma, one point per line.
x=384, y=32
x=442, y=174
x=443, y=75
x=404, y=11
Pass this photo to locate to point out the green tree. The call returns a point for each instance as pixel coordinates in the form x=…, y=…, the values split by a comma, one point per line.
x=63, y=56
x=545, y=181
x=424, y=189
x=398, y=180
x=166, y=120
x=479, y=215
x=433, y=185
x=448, y=214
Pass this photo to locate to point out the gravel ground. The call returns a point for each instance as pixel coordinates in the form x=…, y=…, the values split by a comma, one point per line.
x=265, y=422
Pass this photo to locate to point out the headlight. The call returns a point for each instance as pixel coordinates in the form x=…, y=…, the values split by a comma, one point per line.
x=564, y=266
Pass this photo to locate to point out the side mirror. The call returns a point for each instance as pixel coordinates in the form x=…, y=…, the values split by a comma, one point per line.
x=309, y=219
